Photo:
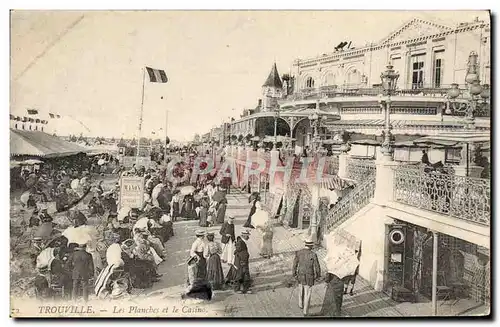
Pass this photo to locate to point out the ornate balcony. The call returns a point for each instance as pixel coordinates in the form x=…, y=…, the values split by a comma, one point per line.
x=461, y=197
x=361, y=90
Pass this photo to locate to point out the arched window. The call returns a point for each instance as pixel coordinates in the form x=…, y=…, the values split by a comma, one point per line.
x=15, y=126
x=36, y=128
x=42, y=128
x=354, y=77
x=309, y=82
x=30, y=127
x=329, y=79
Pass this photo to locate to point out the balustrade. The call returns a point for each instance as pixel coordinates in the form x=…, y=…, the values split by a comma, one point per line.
x=359, y=169
x=353, y=90
x=354, y=201
x=332, y=165
x=461, y=197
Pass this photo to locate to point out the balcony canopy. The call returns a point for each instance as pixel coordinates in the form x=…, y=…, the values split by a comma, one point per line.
x=455, y=138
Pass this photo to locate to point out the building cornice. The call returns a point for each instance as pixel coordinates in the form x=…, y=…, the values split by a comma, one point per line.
x=346, y=55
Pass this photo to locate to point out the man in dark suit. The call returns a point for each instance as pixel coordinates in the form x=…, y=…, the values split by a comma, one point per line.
x=82, y=267
x=306, y=270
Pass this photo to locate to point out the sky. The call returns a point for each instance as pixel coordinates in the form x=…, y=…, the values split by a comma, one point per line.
x=89, y=65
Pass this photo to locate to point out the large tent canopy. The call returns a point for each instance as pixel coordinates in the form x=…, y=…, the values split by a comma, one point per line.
x=40, y=144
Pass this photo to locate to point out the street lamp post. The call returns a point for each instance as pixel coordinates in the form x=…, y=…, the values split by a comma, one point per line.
x=276, y=116
x=316, y=121
x=477, y=97
x=389, y=79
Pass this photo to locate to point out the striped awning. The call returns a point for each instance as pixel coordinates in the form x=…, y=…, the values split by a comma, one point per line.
x=40, y=144
x=335, y=183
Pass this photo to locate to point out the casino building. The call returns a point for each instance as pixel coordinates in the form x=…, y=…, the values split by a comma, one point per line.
x=423, y=233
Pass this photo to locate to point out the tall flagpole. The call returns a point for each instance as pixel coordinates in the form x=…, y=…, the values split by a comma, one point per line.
x=140, y=120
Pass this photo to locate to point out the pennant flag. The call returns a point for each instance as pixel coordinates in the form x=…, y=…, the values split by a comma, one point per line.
x=157, y=75
x=31, y=120
x=32, y=111
x=51, y=115
x=12, y=117
x=58, y=116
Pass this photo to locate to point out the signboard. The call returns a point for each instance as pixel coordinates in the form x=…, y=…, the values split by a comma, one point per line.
x=129, y=161
x=131, y=192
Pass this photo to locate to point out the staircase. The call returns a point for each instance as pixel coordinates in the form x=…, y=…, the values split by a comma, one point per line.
x=353, y=202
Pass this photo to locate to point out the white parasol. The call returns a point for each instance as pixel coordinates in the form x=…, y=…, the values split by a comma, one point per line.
x=75, y=184
x=260, y=218
x=101, y=162
x=77, y=235
x=342, y=261
x=187, y=190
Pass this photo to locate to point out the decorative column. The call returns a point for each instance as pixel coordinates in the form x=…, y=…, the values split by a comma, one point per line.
x=384, y=181
x=343, y=160
x=435, y=244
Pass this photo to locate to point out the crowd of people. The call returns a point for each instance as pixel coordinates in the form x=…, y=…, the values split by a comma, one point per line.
x=107, y=251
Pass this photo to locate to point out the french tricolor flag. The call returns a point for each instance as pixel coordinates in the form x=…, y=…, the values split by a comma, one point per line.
x=157, y=75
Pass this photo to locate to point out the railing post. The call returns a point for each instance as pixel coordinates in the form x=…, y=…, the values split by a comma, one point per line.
x=343, y=162
x=384, y=181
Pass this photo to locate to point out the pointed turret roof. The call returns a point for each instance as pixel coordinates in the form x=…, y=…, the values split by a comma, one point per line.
x=273, y=79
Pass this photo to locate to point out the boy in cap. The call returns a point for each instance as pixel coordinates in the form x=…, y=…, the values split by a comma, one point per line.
x=306, y=270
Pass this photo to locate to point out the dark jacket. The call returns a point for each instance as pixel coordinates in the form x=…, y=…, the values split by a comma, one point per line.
x=82, y=265
x=306, y=267
x=241, y=258
x=227, y=228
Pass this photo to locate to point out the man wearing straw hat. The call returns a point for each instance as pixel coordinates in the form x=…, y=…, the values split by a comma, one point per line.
x=306, y=270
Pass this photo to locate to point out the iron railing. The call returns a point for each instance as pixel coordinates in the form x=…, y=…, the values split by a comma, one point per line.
x=332, y=165
x=361, y=90
x=461, y=197
x=354, y=201
x=359, y=169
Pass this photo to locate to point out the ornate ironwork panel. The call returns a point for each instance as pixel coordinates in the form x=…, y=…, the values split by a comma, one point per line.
x=457, y=196
x=359, y=169
x=332, y=165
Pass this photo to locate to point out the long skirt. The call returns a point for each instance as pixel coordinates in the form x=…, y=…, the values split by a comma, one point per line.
x=175, y=210
x=231, y=276
x=202, y=267
x=332, y=303
x=215, y=275
x=228, y=252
